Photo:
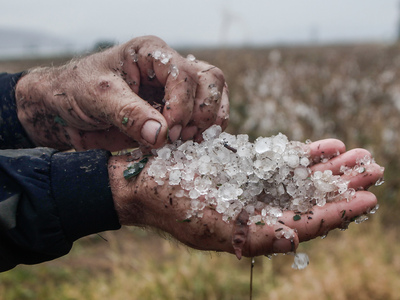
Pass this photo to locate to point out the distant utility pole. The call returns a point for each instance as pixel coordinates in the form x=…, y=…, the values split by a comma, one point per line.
x=230, y=22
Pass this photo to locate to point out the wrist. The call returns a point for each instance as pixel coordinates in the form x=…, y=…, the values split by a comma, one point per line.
x=139, y=200
x=125, y=192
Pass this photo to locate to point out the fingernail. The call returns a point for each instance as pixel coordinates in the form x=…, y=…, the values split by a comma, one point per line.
x=175, y=133
x=283, y=245
x=150, y=131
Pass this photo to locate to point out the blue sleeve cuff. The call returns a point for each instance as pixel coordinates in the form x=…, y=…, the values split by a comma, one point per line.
x=12, y=134
x=82, y=194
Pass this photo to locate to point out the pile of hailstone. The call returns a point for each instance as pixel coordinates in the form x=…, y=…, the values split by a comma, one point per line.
x=229, y=173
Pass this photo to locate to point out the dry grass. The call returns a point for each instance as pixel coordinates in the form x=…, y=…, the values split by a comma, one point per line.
x=348, y=92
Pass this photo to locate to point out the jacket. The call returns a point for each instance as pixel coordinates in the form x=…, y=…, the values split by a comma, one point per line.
x=48, y=199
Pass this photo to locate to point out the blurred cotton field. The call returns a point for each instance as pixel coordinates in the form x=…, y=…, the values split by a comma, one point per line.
x=339, y=92
x=349, y=92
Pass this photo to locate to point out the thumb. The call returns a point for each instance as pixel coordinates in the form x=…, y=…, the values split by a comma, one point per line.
x=134, y=116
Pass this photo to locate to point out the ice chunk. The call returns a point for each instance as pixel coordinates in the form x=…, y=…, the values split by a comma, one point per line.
x=301, y=173
x=301, y=261
x=262, y=145
x=165, y=57
x=164, y=153
x=279, y=143
x=361, y=219
x=379, y=182
x=175, y=177
x=215, y=94
x=228, y=191
x=194, y=194
x=156, y=54
x=191, y=57
x=202, y=184
x=374, y=210
x=292, y=160
x=265, y=178
x=180, y=193
x=133, y=55
x=230, y=173
x=212, y=133
x=304, y=161
x=151, y=73
x=173, y=71
x=324, y=186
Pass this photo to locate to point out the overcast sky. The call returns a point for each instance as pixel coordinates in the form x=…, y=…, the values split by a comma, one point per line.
x=207, y=22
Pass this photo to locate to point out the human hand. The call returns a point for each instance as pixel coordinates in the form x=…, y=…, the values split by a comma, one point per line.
x=141, y=201
x=115, y=99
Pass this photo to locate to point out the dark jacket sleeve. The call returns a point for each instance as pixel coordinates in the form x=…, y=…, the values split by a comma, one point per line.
x=48, y=199
x=12, y=134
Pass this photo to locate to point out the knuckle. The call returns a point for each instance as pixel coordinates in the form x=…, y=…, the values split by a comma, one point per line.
x=128, y=116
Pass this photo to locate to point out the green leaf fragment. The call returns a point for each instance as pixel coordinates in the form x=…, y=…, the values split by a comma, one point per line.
x=343, y=213
x=135, y=169
x=125, y=120
x=260, y=223
x=296, y=217
x=184, y=221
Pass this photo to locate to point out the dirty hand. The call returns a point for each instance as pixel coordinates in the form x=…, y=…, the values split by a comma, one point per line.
x=138, y=93
x=141, y=201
